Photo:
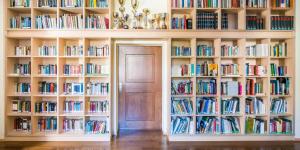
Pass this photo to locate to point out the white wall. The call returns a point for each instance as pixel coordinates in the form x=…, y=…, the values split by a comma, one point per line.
x=155, y=6
x=297, y=106
x=1, y=70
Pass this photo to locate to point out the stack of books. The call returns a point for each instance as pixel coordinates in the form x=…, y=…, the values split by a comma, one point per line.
x=278, y=106
x=231, y=88
x=73, y=50
x=258, y=50
x=255, y=126
x=182, y=22
x=96, y=22
x=183, y=70
x=232, y=3
x=230, y=125
x=71, y=3
x=229, y=51
x=207, y=20
x=73, y=88
x=45, y=107
x=22, y=124
x=72, y=125
x=97, y=88
x=47, y=69
x=207, y=69
x=95, y=69
x=279, y=50
x=182, y=125
x=255, y=23
x=280, y=86
x=97, y=3
x=181, y=87
x=71, y=21
x=281, y=126
x=282, y=22
x=102, y=50
x=254, y=106
x=229, y=69
x=207, y=87
x=230, y=106
x=47, y=50
x=282, y=3
x=254, y=88
x=256, y=3
x=96, y=127
x=255, y=70
x=181, y=51
x=207, y=125
x=22, y=69
x=47, y=3
x=181, y=106
x=206, y=105
x=278, y=70
x=23, y=87
x=46, y=87
x=45, y=22
x=19, y=3
x=22, y=50
x=205, y=50
x=47, y=124
x=96, y=106
x=20, y=22
x=70, y=69
x=71, y=106
x=21, y=106
x=182, y=3
x=207, y=3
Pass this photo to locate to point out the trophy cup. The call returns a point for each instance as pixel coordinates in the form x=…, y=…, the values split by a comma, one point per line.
x=122, y=8
x=152, y=21
x=157, y=20
x=116, y=20
x=146, y=12
x=125, y=21
x=163, y=17
x=135, y=5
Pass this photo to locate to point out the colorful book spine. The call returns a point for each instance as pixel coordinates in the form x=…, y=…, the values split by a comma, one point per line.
x=255, y=126
x=280, y=86
x=96, y=127
x=207, y=69
x=229, y=51
x=230, y=106
x=206, y=105
x=254, y=106
x=230, y=125
x=72, y=125
x=279, y=50
x=20, y=22
x=229, y=69
x=231, y=88
x=181, y=87
x=279, y=106
x=181, y=51
x=255, y=23
x=207, y=125
x=282, y=3
x=47, y=50
x=47, y=124
x=70, y=69
x=255, y=70
x=71, y=21
x=183, y=70
x=47, y=3
x=207, y=3
x=256, y=3
x=181, y=106
x=102, y=50
x=45, y=107
x=19, y=3
x=253, y=88
x=73, y=88
x=22, y=124
x=182, y=22
x=45, y=22
x=232, y=3
x=94, y=106
x=71, y=106
x=281, y=126
x=205, y=50
x=182, y=3
x=258, y=50
x=21, y=106
x=22, y=69
x=24, y=88
x=96, y=22
x=71, y=3
x=97, y=88
x=97, y=3
x=95, y=69
x=207, y=87
x=73, y=50
x=182, y=125
x=47, y=87
x=48, y=69
x=224, y=21
x=207, y=20
x=282, y=22
x=278, y=70
x=22, y=50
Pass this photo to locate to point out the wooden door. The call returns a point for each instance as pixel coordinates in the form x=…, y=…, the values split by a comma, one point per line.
x=140, y=87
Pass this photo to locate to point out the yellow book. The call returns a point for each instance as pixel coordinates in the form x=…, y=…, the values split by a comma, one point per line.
x=95, y=4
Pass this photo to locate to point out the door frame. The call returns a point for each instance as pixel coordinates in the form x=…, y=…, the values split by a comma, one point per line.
x=163, y=43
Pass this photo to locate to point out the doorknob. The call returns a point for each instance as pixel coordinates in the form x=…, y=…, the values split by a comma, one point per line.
x=120, y=87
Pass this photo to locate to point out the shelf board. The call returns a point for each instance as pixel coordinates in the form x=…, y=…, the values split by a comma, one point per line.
x=19, y=133
x=182, y=57
x=71, y=95
x=92, y=114
x=45, y=95
x=71, y=76
x=182, y=115
x=20, y=9
x=182, y=76
x=206, y=76
x=206, y=57
x=280, y=9
x=187, y=96
x=208, y=9
x=232, y=115
x=46, y=9
x=45, y=114
x=281, y=76
x=256, y=95
x=206, y=115
x=256, y=115
x=265, y=76
x=199, y=95
x=98, y=10
x=256, y=9
x=54, y=57
x=76, y=10
x=281, y=57
x=97, y=76
x=16, y=114
x=18, y=76
x=182, y=10
x=45, y=76
x=281, y=115
x=256, y=57
x=99, y=96
x=98, y=57
x=72, y=114
x=231, y=57
x=19, y=95
x=13, y=56
x=45, y=133
x=231, y=76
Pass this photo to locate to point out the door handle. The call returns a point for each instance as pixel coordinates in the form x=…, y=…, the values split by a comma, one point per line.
x=120, y=87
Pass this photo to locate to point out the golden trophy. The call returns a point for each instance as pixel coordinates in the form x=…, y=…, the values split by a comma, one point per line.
x=116, y=20
x=146, y=12
x=163, y=17
x=157, y=20
x=135, y=5
x=122, y=8
x=152, y=22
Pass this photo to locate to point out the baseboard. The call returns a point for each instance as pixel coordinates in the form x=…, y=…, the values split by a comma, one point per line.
x=231, y=138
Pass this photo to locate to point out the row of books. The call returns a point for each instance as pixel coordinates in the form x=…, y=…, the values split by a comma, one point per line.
x=96, y=22
x=94, y=106
x=206, y=105
x=279, y=106
x=255, y=126
x=255, y=70
x=205, y=50
x=280, y=86
x=48, y=69
x=207, y=69
x=183, y=70
x=19, y=3
x=257, y=50
x=255, y=23
x=45, y=22
x=71, y=21
x=70, y=69
x=229, y=51
x=97, y=88
x=97, y=3
x=282, y=22
x=229, y=69
x=231, y=88
x=47, y=124
x=47, y=87
x=181, y=106
x=206, y=87
x=22, y=50
x=96, y=127
x=95, y=69
x=206, y=20
x=22, y=124
x=20, y=22
x=230, y=125
x=73, y=50
x=282, y=3
x=207, y=125
x=21, y=106
x=73, y=88
x=182, y=125
x=181, y=87
x=278, y=70
x=23, y=87
x=232, y=3
x=256, y=3
x=281, y=126
x=73, y=106
x=101, y=50
x=71, y=3
x=182, y=3
x=72, y=125
x=47, y=3
x=254, y=87
x=22, y=69
x=182, y=22
x=230, y=106
x=207, y=3
x=254, y=105
x=45, y=107
x=279, y=50
x=46, y=50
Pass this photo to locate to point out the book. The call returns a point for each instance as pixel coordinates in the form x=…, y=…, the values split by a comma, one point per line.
x=73, y=50
x=230, y=69
x=22, y=124
x=21, y=106
x=47, y=69
x=207, y=125
x=279, y=106
x=278, y=70
x=22, y=50
x=230, y=106
x=46, y=87
x=255, y=105
x=181, y=87
x=71, y=21
x=230, y=125
x=23, y=87
x=181, y=106
x=280, y=86
x=281, y=126
x=181, y=51
x=20, y=22
x=231, y=88
x=45, y=22
x=71, y=3
x=99, y=50
x=72, y=125
x=183, y=70
x=206, y=20
x=47, y=3
x=45, y=106
x=96, y=127
x=255, y=126
x=46, y=124
x=97, y=88
x=258, y=50
x=206, y=87
x=46, y=50
x=232, y=3
x=182, y=22
x=73, y=88
x=206, y=105
x=97, y=106
x=255, y=23
x=19, y=3
x=22, y=69
x=93, y=21
x=282, y=3
x=71, y=106
x=256, y=3
x=279, y=49
x=255, y=70
x=254, y=87
x=282, y=22
x=95, y=69
x=182, y=3
x=229, y=51
x=207, y=3
x=97, y=3
x=181, y=125
x=70, y=69
x=207, y=69
x=205, y=50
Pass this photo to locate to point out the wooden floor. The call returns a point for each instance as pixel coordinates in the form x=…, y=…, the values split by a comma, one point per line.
x=148, y=140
